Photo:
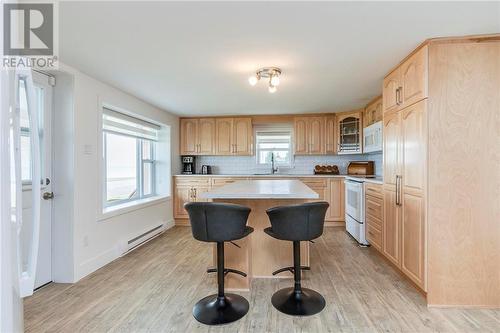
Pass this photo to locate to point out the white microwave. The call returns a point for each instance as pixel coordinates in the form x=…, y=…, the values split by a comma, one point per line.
x=372, y=138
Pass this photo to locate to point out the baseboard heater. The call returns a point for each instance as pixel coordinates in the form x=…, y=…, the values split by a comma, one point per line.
x=143, y=238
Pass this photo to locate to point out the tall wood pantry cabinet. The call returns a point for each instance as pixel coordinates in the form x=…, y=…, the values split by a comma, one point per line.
x=440, y=138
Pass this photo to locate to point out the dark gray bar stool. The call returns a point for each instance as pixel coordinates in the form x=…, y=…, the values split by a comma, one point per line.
x=297, y=223
x=219, y=223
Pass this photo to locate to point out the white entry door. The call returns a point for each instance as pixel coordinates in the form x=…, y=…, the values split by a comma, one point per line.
x=43, y=101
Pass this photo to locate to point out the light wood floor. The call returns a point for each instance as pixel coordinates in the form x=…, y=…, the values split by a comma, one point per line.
x=154, y=288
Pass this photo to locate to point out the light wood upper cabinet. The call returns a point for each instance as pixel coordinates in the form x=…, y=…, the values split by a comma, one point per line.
x=391, y=147
x=242, y=136
x=233, y=136
x=189, y=139
x=206, y=136
x=300, y=136
x=316, y=135
x=223, y=136
x=414, y=78
x=349, y=132
x=309, y=135
x=373, y=112
x=330, y=135
x=407, y=84
x=390, y=91
x=197, y=136
x=414, y=148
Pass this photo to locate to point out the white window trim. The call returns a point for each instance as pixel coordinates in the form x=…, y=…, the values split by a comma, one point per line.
x=130, y=206
x=108, y=211
x=274, y=128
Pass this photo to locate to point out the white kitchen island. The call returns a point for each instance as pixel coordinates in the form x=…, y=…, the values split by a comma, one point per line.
x=259, y=254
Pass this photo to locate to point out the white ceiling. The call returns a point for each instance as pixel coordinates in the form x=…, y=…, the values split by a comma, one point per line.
x=194, y=58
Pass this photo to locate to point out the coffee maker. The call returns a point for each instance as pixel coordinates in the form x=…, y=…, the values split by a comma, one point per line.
x=188, y=167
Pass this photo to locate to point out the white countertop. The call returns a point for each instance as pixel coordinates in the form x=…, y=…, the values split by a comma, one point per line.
x=262, y=189
x=361, y=179
x=280, y=175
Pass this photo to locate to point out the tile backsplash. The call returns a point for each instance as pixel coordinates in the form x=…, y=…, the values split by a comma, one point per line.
x=234, y=165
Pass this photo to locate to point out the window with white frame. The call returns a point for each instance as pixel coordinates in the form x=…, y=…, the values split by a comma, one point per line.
x=274, y=142
x=129, y=151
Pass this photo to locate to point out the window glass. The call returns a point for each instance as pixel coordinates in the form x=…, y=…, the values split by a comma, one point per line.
x=147, y=170
x=147, y=150
x=121, y=167
x=24, y=122
x=274, y=143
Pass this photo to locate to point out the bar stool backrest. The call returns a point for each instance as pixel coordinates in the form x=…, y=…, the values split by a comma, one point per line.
x=298, y=222
x=217, y=222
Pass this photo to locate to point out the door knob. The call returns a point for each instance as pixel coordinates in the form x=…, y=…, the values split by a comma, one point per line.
x=48, y=195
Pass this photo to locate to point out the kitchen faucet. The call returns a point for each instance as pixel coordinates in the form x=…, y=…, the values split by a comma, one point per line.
x=273, y=169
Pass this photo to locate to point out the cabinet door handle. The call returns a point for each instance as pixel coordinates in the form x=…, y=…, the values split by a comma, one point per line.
x=400, y=190
x=397, y=190
x=397, y=98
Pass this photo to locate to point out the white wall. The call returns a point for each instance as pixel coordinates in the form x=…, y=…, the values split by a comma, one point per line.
x=98, y=241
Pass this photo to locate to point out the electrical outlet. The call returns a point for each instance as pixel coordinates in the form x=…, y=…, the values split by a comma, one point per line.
x=85, y=241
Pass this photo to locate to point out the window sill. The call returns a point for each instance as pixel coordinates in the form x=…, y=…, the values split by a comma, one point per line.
x=127, y=207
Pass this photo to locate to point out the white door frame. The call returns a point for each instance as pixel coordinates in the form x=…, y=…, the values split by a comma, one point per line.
x=44, y=270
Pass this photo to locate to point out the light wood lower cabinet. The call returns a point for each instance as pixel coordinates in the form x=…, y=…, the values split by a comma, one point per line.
x=413, y=239
x=189, y=188
x=391, y=246
x=182, y=194
x=374, y=214
x=336, y=212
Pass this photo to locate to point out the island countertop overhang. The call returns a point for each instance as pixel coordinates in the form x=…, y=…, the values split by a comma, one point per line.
x=262, y=189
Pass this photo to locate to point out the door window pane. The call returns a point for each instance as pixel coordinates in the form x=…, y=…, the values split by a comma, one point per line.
x=121, y=167
x=24, y=122
x=25, y=158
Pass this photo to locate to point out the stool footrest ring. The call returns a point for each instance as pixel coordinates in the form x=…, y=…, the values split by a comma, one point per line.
x=227, y=270
x=291, y=269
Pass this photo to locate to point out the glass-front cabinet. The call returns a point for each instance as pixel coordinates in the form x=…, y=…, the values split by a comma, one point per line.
x=349, y=129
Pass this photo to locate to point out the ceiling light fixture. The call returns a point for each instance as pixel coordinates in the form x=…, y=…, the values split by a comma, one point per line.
x=271, y=73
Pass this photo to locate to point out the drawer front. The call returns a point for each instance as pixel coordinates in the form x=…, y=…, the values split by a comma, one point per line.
x=373, y=190
x=217, y=181
x=374, y=237
x=192, y=181
x=373, y=222
x=374, y=207
x=317, y=182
